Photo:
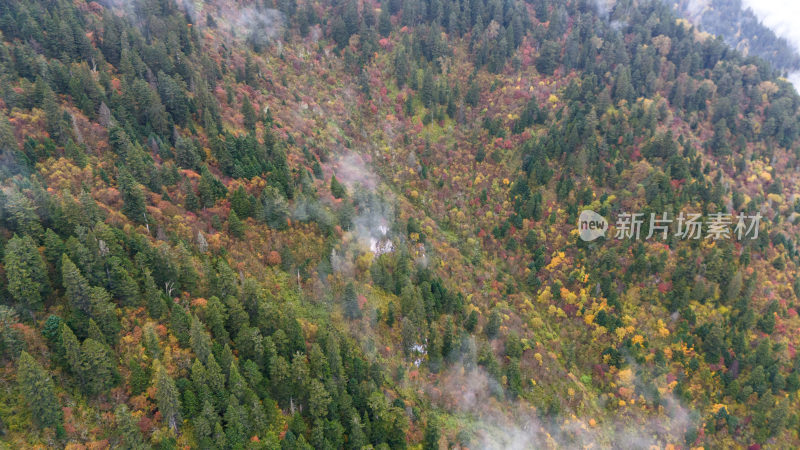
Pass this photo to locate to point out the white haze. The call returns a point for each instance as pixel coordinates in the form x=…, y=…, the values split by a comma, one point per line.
x=783, y=17
x=259, y=26
x=515, y=425
x=372, y=224
x=371, y=228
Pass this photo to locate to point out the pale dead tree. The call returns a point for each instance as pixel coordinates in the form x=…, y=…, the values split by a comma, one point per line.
x=76, y=130
x=103, y=247
x=169, y=286
x=202, y=243
x=105, y=119
x=104, y=251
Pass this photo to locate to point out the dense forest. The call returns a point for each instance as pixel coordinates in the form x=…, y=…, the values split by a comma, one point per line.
x=348, y=224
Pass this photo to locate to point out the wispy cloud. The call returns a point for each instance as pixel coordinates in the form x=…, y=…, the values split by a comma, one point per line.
x=783, y=18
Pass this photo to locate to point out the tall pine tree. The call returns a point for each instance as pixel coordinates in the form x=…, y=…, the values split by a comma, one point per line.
x=26, y=272
x=38, y=391
x=167, y=397
x=132, y=196
x=76, y=288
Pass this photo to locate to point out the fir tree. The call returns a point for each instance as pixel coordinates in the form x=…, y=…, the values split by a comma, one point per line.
x=235, y=226
x=97, y=367
x=209, y=188
x=130, y=435
x=121, y=283
x=8, y=142
x=357, y=438
x=103, y=311
x=190, y=202
x=241, y=203
x=318, y=399
x=249, y=114
x=38, y=391
x=26, y=272
x=71, y=349
x=167, y=397
x=432, y=435
x=76, y=288
x=180, y=323
x=133, y=197
x=337, y=190
x=352, y=309
x=199, y=339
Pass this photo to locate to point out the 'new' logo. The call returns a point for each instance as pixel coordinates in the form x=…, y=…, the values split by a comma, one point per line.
x=591, y=225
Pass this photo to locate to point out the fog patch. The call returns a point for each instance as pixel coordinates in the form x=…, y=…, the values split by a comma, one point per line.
x=498, y=422
x=260, y=27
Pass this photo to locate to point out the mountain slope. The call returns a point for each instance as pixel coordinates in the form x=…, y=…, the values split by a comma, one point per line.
x=340, y=224
x=741, y=29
